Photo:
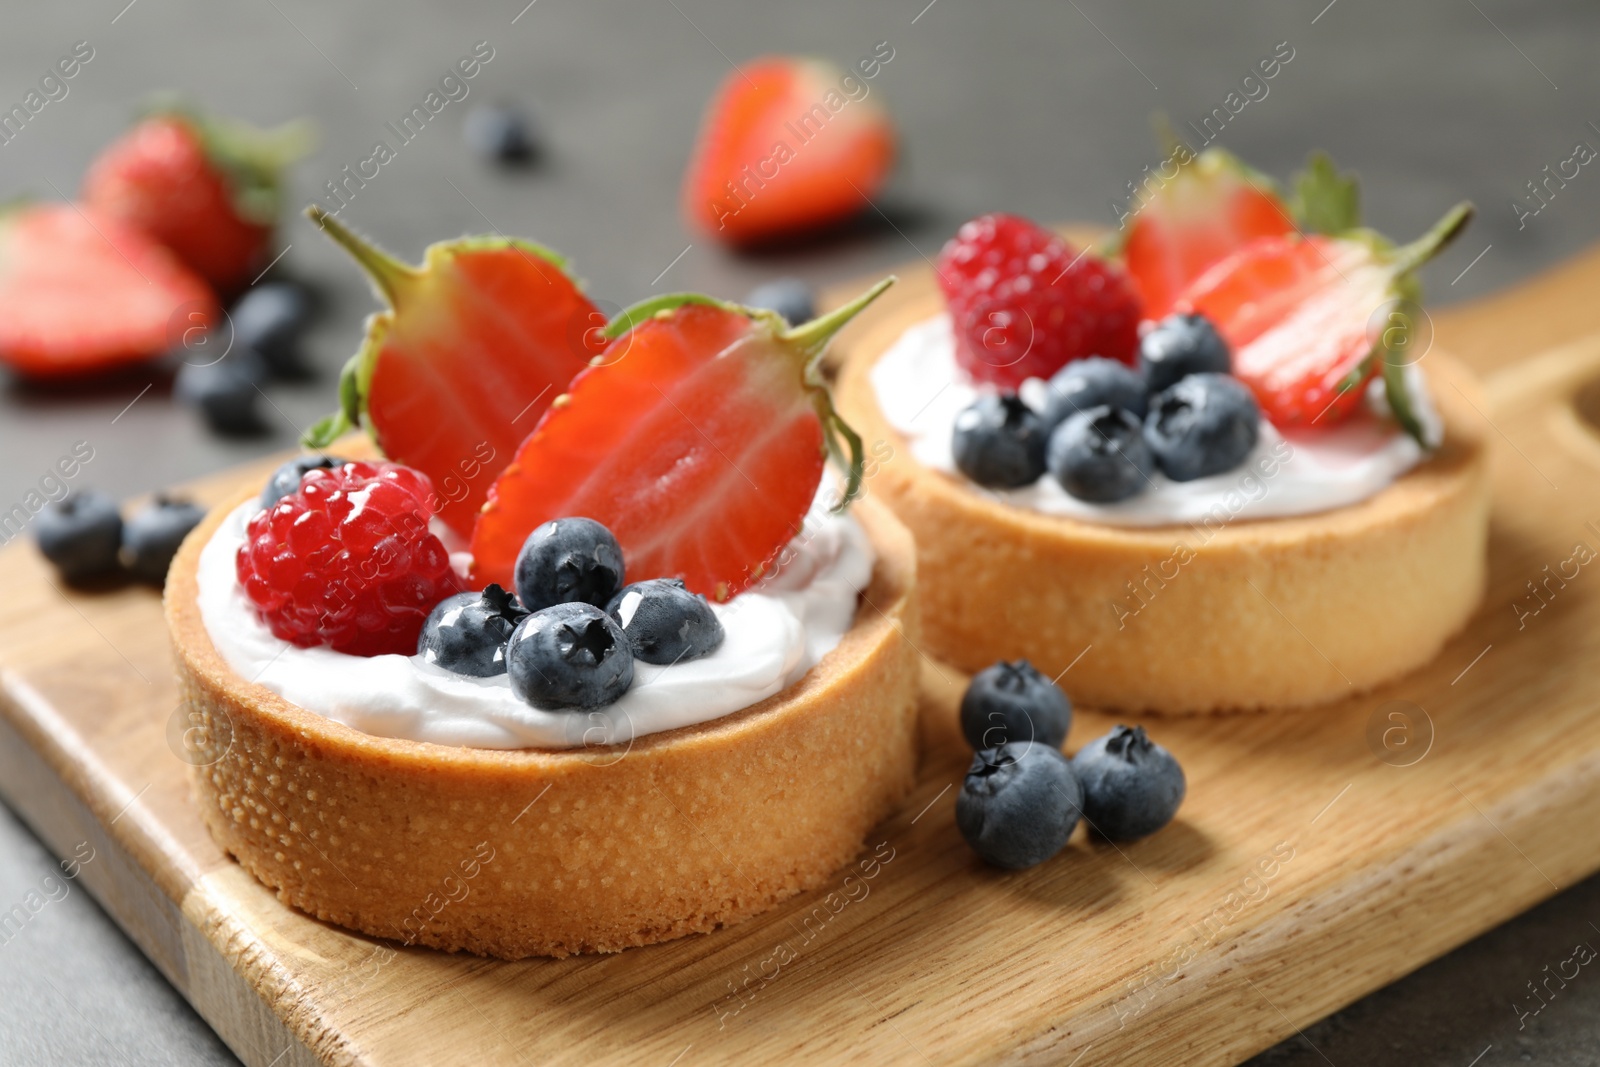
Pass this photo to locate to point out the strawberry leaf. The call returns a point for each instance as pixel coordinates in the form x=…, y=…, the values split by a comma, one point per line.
x=841, y=439
x=330, y=427
x=844, y=448
x=1324, y=200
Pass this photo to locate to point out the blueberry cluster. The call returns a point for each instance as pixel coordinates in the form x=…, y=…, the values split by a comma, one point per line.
x=569, y=636
x=1105, y=428
x=220, y=377
x=1022, y=797
x=85, y=537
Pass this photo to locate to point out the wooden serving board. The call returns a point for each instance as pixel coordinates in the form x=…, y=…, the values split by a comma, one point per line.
x=1319, y=856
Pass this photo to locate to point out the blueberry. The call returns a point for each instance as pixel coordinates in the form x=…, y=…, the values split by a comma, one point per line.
x=467, y=633
x=1203, y=424
x=1131, y=786
x=500, y=133
x=790, y=297
x=568, y=561
x=269, y=320
x=1091, y=383
x=569, y=656
x=80, y=535
x=1018, y=804
x=1180, y=345
x=1100, y=455
x=1014, y=702
x=150, y=538
x=286, y=479
x=665, y=622
x=999, y=442
x=225, y=392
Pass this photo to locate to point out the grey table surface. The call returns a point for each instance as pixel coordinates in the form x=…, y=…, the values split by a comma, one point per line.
x=1040, y=109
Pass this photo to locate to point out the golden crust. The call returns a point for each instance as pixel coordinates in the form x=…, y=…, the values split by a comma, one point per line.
x=527, y=853
x=1248, y=614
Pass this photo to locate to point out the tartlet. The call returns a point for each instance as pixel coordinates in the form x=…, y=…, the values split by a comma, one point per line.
x=1264, y=613
x=547, y=853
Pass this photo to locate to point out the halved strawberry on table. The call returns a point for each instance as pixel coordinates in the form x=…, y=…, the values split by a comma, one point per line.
x=474, y=346
x=1298, y=314
x=81, y=292
x=204, y=186
x=699, y=441
x=783, y=150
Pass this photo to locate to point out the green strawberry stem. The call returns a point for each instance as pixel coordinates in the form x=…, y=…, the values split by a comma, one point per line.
x=813, y=337
x=390, y=276
x=1406, y=259
x=393, y=280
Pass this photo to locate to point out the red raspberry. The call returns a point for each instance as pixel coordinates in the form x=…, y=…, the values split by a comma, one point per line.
x=1024, y=303
x=348, y=560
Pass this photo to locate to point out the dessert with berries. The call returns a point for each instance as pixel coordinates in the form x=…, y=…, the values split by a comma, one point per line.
x=615, y=665
x=1212, y=468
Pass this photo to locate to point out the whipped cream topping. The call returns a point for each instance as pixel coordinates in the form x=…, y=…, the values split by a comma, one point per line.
x=774, y=633
x=921, y=390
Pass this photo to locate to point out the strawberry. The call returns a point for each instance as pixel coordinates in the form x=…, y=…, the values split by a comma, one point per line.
x=1023, y=303
x=783, y=150
x=1213, y=206
x=475, y=345
x=700, y=445
x=81, y=292
x=1297, y=312
x=206, y=188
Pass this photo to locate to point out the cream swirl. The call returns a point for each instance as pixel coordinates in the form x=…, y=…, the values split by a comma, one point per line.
x=774, y=634
x=921, y=390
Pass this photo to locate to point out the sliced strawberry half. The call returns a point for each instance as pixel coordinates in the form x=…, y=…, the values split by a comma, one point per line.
x=1213, y=207
x=81, y=292
x=699, y=441
x=475, y=345
x=783, y=150
x=1297, y=313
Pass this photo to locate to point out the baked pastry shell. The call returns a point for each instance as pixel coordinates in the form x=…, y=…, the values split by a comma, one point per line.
x=547, y=853
x=1222, y=616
